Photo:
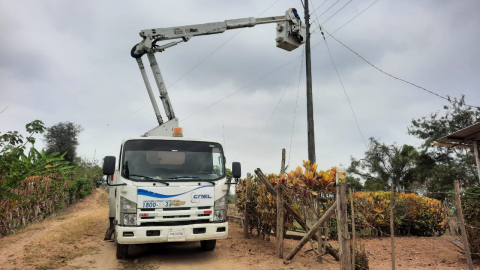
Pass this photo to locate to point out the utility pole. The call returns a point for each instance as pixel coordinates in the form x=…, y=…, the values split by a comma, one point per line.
x=311, y=132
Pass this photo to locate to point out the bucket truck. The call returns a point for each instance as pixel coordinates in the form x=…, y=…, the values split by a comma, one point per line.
x=166, y=187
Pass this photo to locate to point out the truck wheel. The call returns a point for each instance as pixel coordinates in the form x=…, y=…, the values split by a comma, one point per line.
x=122, y=251
x=208, y=245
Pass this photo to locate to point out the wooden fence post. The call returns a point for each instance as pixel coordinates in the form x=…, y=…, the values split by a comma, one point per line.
x=282, y=167
x=461, y=222
x=246, y=216
x=342, y=228
x=325, y=217
x=354, y=243
x=280, y=221
x=476, y=150
x=392, y=227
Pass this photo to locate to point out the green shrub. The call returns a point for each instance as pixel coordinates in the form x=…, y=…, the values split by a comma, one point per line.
x=471, y=214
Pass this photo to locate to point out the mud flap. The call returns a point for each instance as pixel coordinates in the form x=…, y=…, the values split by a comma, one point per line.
x=110, y=230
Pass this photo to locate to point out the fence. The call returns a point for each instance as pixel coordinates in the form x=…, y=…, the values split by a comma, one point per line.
x=38, y=198
x=347, y=229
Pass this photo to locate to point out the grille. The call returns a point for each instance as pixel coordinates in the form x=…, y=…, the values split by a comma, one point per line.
x=176, y=209
x=179, y=216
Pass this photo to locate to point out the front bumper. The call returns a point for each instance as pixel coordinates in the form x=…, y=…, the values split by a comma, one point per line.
x=139, y=236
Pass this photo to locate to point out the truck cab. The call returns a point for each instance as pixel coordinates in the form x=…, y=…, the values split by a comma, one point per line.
x=167, y=189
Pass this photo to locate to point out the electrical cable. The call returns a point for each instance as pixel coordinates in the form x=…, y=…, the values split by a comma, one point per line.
x=295, y=113
x=337, y=11
x=345, y=91
x=350, y=19
x=397, y=78
x=240, y=89
x=329, y=8
x=318, y=7
x=273, y=113
x=314, y=12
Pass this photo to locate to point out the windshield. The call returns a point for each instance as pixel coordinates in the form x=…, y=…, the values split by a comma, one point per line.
x=163, y=160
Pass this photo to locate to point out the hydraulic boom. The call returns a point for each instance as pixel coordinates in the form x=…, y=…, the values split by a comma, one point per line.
x=291, y=33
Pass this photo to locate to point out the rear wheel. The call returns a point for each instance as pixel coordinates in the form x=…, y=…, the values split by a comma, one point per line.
x=122, y=251
x=208, y=245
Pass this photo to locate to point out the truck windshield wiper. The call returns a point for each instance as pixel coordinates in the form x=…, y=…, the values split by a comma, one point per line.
x=185, y=177
x=143, y=176
x=192, y=179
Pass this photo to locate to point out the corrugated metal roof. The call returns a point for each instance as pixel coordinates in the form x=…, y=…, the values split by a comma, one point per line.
x=464, y=136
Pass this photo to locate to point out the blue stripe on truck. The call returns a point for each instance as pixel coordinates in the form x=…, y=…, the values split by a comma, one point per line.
x=148, y=193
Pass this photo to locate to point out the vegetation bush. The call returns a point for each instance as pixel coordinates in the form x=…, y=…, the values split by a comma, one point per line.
x=34, y=184
x=310, y=193
x=471, y=214
x=307, y=190
x=413, y=214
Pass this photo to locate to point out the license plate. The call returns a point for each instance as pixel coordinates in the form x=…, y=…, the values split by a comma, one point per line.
x=176, y=235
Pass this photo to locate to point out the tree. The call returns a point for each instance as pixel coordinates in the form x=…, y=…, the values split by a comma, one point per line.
x=446, y=164
x=63, y=137
x=355, y=183
x=228, y=174
x=384, y=164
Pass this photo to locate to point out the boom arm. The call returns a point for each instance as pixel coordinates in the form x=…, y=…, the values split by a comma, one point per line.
x=291, y=34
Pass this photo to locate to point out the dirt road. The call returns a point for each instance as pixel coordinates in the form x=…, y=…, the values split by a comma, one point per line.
x=73, y=240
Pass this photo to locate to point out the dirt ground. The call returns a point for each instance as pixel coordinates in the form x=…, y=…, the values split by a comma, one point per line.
x=73, y=240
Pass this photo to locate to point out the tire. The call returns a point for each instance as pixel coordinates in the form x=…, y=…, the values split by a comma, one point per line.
x=122, y=251
x=208, y=245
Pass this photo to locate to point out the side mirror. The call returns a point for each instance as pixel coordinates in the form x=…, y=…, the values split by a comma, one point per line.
x=109, y=165
x=236, y=170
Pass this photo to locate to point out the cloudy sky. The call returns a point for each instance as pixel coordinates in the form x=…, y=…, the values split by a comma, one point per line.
x=69, y=61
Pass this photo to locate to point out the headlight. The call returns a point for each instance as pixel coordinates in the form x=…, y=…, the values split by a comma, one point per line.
x=219, y=215
x=221, y=203
x=127, y=206
x=130, y=219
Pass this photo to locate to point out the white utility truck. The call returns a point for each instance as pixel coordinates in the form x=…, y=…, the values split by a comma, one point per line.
x=168, y=187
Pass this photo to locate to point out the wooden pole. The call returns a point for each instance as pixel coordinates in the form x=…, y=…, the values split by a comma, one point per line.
x=392, y=227
x=282, y=167
x=354, y=243
x=325, y=217
x=342, y=228
x=247, y=197
x=308, y=66
x=280, y=221
x=292, y=212
x=461, y=222
x=476, y=150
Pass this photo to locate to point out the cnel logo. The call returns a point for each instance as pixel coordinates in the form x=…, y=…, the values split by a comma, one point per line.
x=197, y=197
x=201, y=196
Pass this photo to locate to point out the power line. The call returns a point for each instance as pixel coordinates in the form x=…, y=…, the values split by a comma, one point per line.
x=397, y=78
x=240, y=89
x=351, y=18
x=318, y=7
x=295, y=113
x=115, y=124
x=273, y=113
x=355, y=16
x=4, y=109
x=190, y=70
x=329, y=8
x=345, y=91
x=314, y=12
x=337, y=11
